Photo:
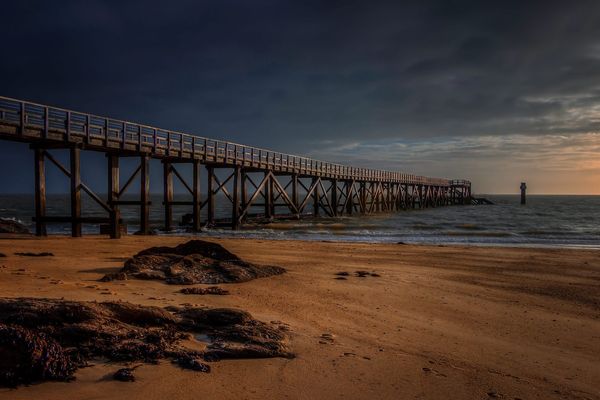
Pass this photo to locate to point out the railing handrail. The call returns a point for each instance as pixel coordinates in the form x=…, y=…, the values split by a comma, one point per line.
x=217, y=145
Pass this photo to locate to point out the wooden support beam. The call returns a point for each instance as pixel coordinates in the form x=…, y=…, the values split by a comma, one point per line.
x=349, y=197
x=168, y=194
x=334, y=197
x=145, y=195
x=316, y=198
x=257, y=192
x=363, y=197
x=210, y=220
x=113, y=195
x=40, y=192
x=235, y=204
x=130, y=180
x=268, y=191
x=284, y=195
x=75, y=154
x=196, y=195
x=244, y=190
x=295, y=194
x=272, y=194
x=183, y=182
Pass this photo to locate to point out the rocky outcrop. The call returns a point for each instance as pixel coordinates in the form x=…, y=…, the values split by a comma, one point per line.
x=12, y=226
x=46, y=339
x=196, y=261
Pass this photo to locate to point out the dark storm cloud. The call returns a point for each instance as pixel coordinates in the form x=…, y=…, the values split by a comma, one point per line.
x=295, y=73
x=443, y=88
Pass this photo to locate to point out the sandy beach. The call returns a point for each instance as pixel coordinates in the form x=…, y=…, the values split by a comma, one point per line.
x=438, y=322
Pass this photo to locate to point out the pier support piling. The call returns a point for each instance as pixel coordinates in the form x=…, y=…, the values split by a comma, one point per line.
x=334, y=197
x=75, y=153
x=40, y=193
x=268, y=195
x=113, y=196
x=197, y=201
x=168, y=194
x=210, y=201
x=316, y=197
x=235, y=202
x=145, y=195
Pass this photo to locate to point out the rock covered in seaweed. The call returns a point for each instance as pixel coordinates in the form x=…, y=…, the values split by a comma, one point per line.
x=46, y=339
x=27, y=356
x=215, y=290
x=12, y=226
x=193, y=262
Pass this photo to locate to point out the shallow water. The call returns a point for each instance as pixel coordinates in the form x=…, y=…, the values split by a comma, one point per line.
x=545, y=220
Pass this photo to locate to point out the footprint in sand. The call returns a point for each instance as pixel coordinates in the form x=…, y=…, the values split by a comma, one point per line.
x=435, y=372
x=327, y=338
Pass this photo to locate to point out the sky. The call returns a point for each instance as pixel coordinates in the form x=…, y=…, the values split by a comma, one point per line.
x=494, y=92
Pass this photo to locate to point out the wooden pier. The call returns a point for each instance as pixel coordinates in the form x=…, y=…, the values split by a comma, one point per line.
x=251, y=178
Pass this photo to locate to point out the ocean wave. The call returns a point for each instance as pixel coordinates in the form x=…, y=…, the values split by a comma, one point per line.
x=470, y=227
x=541, y=232
x=481, y=234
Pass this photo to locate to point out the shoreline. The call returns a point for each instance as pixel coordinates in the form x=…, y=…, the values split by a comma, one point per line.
x=474, y=321
x=217, y=237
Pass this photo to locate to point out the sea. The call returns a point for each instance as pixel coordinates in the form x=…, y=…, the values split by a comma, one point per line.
x=545, y=221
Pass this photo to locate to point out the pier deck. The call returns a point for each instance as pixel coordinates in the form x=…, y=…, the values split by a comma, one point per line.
x=279, y=180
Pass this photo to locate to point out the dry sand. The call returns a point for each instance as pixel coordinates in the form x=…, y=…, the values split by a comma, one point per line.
x=439, y=323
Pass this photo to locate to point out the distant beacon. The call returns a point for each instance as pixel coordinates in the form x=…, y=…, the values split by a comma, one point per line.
x=523, y=193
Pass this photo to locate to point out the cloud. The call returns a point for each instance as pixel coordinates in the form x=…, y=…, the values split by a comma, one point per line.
x=291, y=75
x=493, y=163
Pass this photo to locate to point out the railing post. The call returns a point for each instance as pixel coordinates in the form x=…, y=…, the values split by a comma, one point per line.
x=46, y=122
x=22, y=118
x=68, y=127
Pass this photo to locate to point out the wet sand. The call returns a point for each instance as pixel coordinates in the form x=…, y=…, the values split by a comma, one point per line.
x=438, y=323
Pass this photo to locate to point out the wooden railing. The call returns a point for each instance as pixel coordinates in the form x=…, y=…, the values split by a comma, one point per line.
x=21, y=120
